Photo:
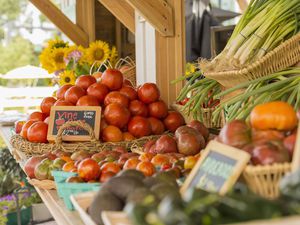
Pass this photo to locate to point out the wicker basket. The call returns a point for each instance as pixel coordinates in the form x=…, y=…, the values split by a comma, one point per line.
x=130, y=73
x=285, y=55
x=29, y=148
x=42, y=184
x=207, y=116
x=264, y=180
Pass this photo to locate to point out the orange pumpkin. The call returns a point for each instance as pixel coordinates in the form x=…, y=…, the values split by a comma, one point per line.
x=273, y=115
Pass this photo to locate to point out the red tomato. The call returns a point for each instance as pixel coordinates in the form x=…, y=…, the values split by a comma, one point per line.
x=116, y=97
x=62, y=102
x=37, y=132
x=110, y=167
x=18, y=126
x=160, y=159
x=158, y=109
x=84, y=81
x=106, y=176
x=129, y=92
x=46, y=105
x=73, y=94
x=97, y=75
x=60, y=93
x=146, y=168
x=88, y=100
x=98, y=90
x=117, y=115
x=112, y=134
x=146, y=157
x=157, y=126
x=127, y=83
x=184, y=101
x=37, y=116
x=113, y=79
x=138, y=108
x=148, y=93
x=88, y=169
x=131, y=163
x=25, y=127
x=139, y=126
x=173, y=121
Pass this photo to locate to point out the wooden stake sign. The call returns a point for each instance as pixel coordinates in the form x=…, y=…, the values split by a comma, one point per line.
x=59, y=115
x=296, y=154
x=218, y=168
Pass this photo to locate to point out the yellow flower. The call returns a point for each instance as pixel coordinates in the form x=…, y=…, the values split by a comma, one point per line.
x=190, y=68
x=57, y=44
x=46, y=61
x=98, y=52
x=57, y=56
x=66, y=77
x=113, y=56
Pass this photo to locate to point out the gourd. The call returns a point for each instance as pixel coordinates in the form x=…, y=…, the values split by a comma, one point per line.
x=274, y=115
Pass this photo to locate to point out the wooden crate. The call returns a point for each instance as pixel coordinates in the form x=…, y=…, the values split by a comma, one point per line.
x=83, y=200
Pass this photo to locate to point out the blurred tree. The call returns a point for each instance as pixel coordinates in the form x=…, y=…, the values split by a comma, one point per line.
x=10, y=10
x=19, y=52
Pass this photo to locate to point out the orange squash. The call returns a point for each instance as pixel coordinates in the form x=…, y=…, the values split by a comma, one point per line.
x=274, y=115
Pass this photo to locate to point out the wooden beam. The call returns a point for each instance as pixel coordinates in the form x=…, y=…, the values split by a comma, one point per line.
x=170, y=55
x=56, y=16
x=122, y=11
x=85, y=17
x=158, y=13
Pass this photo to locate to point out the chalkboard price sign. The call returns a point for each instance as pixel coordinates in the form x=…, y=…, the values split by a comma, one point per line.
x=61, y=114
x=218, y=168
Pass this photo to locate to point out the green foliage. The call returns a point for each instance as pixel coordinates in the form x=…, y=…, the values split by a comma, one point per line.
x=10, y=9
x=19, y=52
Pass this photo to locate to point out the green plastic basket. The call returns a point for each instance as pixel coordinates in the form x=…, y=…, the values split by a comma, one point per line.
x=60, y=177
x=65, y=190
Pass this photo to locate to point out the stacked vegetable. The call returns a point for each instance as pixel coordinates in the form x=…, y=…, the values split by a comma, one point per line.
x=264, y=26
x=128, y=113
x=271, y=136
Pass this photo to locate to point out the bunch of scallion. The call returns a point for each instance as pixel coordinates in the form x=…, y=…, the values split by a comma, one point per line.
x=280, y=86
x=201, y=91
x=263, y=26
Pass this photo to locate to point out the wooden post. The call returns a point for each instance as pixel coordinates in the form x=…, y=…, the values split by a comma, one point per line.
x=85, y=17
x=170, y=55
x=56, y=16
x=122, y=11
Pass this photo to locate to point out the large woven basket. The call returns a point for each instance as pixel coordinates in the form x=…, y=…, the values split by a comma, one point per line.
x=29, y=148
x=264, y=180
x=206, y=115
x=285, y=55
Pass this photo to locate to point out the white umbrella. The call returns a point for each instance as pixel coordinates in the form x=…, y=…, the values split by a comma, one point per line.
x=27, y=72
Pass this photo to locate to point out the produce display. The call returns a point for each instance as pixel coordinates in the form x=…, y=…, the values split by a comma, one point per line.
x=131, y=186
x=128, y=113
x=269, y=138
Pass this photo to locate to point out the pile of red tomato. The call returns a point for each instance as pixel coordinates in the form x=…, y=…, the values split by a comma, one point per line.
x=127, y=112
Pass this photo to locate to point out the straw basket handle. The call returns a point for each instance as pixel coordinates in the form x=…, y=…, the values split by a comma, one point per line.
x=80, y=124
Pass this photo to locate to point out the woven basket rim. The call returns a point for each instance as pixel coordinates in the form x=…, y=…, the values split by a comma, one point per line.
x=249, y=68
x=251, y=169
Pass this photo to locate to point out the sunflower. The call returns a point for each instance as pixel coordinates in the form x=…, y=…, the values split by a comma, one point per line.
x=46, y=60
x=113, y=56
x=57, y=56
x=57, y=44
x=66, y=77
x=98, y=52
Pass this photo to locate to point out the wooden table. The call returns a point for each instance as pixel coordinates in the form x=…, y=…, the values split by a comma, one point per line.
x=56, y=206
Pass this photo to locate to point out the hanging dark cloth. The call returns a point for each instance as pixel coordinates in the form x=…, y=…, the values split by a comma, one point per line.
x=198, y=36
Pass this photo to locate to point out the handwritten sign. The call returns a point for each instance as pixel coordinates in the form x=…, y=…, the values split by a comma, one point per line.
x=218, y=168
x=59, y=115
x=296, y=154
